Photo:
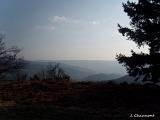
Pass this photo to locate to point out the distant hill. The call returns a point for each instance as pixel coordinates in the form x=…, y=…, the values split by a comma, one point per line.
x=128, y=79
x=101, y=76
x=78, y=69
x=99, y=66
x=74, y=71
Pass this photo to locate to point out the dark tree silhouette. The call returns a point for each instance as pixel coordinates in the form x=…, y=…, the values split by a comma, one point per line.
x=19, y=75
x=145, y=23
x=35, y=78
x=9, y=59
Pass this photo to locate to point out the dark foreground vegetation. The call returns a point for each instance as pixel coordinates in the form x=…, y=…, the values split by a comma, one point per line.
x=70, y=100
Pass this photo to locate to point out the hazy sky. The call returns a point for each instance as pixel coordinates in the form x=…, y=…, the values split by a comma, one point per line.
x=65, y=29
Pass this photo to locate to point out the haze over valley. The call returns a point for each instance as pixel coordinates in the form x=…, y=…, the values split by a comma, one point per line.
x=82, y=69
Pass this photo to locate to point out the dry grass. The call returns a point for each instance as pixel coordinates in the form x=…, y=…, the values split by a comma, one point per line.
x=76, y=100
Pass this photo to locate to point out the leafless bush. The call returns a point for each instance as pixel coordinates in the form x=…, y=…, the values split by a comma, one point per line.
x=10, y=61
x=52, y=72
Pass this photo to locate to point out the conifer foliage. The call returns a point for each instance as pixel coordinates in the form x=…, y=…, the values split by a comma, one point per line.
x=145, y=30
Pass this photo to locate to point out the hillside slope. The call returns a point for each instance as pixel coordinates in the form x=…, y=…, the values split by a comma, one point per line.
x=70, y=100
x=101, y=77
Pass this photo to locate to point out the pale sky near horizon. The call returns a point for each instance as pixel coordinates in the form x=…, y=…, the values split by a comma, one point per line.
x=66, y=29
